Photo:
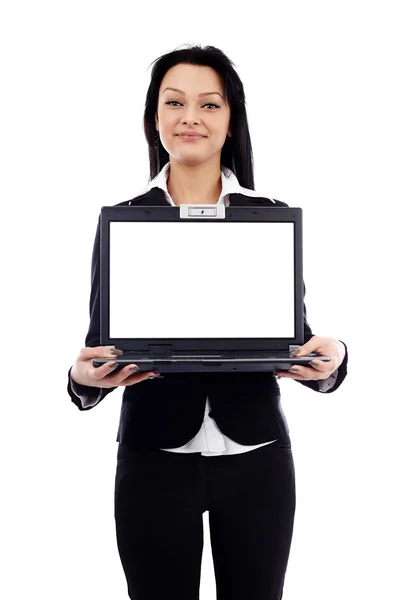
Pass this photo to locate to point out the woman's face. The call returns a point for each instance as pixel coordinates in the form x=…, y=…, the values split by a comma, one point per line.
x=187, y=109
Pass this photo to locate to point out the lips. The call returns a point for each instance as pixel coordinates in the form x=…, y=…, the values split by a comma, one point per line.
x=189, y=134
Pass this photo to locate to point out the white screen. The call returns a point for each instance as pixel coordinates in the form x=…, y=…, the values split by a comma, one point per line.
x=201, y=280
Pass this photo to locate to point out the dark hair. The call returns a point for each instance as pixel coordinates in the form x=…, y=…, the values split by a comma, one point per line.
x=236, y=153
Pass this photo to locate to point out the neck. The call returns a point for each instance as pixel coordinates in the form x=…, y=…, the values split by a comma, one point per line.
x=194, y=184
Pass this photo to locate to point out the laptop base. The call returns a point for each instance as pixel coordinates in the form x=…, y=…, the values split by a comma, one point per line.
x=178, y=364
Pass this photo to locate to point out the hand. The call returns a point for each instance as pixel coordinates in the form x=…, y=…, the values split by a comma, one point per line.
x=325, y=346
x=84, y=373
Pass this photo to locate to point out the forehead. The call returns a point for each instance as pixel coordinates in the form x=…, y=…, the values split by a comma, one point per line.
x=192, y=79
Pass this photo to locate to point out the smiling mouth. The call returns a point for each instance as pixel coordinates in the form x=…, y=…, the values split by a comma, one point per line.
x=191, y=137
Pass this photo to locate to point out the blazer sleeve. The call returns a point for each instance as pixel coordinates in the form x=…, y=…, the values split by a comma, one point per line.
x=86, y=397
x=332, y=383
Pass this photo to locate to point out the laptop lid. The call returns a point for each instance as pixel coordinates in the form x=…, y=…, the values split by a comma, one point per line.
x=201, y=278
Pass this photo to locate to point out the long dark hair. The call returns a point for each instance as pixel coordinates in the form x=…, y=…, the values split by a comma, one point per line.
x=237, y=152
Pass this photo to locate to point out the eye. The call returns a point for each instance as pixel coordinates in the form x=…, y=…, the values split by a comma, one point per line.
x=208, y=103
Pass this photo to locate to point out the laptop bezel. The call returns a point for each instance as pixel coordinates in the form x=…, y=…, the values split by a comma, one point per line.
x=232, y=214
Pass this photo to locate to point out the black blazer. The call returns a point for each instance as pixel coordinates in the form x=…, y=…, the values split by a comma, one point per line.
x=168, y=412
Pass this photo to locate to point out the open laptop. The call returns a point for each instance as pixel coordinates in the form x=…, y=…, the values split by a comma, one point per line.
x=202, y=288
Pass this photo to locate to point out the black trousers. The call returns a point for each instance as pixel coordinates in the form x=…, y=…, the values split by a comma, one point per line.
x=160, y=498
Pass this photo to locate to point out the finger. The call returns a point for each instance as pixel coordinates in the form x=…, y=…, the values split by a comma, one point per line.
x=138, y=378
x=304, y=373
x=100, y=372
x=322, y=365
x=128, y=378
x=288, y=375
x=298, y=372
x=308, y=347
x=318, y=365
x=88, y=352
x=120, y=375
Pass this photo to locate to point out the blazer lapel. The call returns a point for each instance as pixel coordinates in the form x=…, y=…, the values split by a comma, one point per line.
x=242, y=200
x=154, y=197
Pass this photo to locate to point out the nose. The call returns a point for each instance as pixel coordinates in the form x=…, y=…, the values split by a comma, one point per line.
x=190, y=114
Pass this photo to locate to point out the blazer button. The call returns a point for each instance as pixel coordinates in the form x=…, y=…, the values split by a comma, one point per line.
x=210, y=414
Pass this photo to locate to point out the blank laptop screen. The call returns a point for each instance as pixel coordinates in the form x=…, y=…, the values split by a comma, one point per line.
x=201, y=280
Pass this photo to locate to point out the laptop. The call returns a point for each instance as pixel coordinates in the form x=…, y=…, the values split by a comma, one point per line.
x=202, y=288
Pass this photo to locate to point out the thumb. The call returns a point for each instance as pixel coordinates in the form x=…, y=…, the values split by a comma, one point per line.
x=96, y=352
x=305, y=349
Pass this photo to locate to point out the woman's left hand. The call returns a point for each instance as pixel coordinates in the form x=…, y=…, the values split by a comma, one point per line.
x=325, y=346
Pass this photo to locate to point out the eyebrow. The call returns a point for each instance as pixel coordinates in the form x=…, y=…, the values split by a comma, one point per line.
x=181, y=92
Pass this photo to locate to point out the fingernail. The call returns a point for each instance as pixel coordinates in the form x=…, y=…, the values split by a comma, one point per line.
x=294, y=352
x=133, y=369
x=115, y=352
x=293, y=370
x=314, y=362
x=113, y=365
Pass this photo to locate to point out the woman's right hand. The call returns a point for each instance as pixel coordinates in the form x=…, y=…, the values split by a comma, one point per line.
x=84, y=373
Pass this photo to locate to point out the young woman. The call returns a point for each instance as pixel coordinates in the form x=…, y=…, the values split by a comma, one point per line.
x=176, y=458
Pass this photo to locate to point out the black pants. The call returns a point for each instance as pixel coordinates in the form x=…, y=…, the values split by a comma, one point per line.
x=160, y=498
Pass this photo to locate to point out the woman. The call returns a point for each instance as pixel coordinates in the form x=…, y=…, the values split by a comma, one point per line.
x=176, y=458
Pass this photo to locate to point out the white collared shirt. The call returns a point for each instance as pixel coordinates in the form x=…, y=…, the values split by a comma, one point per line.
x=230, y=185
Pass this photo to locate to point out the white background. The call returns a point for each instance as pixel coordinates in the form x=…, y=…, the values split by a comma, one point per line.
x=321, y=83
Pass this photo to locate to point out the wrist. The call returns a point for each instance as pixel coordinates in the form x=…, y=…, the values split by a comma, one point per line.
x=343, y=352
x=75, y=378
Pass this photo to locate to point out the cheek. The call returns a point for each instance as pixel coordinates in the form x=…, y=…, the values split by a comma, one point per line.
x=166, y=119
x=220, y=137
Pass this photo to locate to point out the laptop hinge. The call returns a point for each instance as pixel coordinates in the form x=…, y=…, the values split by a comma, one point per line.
x=164, y=350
